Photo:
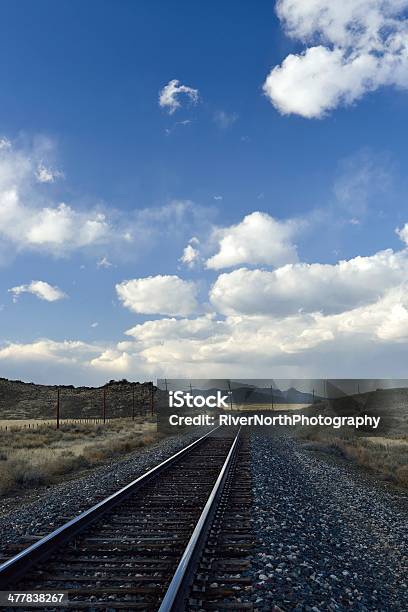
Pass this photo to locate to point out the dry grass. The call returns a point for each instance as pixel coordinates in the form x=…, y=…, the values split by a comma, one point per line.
x=385, y=456
x=14, y=424
x=33, y=457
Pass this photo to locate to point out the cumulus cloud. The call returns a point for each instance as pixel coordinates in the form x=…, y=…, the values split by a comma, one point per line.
x=169, y=96
x=355, y=46
x=201, y=327
x=40, y=289
x=191, y=255
x=294, y=345
x=29, y=221
x=251, y=345
x=257, y=239
x=67, y=351
x=402, y=232
x=112, y=360
x=168, y=295
x=328, y=288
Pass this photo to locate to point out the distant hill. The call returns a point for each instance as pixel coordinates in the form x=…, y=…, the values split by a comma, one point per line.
x=390, y=404
x=249, y=394
x=291, y=396
x=20, y=400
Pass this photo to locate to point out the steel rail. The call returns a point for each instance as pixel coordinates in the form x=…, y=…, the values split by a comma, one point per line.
x=177, y=592
x=15, y=567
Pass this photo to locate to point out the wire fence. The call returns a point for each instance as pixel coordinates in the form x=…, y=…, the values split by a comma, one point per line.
x=28, y=406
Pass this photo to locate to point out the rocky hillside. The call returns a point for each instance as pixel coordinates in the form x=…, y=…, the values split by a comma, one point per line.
x=20, y=400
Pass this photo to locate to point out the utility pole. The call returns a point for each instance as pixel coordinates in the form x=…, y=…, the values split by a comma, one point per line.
x=133, y=401
x=230, y=394
x=104, y=405
x=272, y=398
x=58, y=407
x=313, y=396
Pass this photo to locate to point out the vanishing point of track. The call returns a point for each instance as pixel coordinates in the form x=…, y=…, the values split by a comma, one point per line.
x=177, y=538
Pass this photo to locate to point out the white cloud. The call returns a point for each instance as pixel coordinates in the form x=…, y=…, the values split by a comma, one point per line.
x=297, y=345
x=169, y=95
x=62, y=225
x=312, y=344
x=363, y=45
x=190, y=256
x=113, y=361
x=153, y=331
x=309, y=287
x=40, y=289
x=45, y=174
x=28, y=221
x=402, y=232
x=169, y=295
x=257, y=239
x=68, y=351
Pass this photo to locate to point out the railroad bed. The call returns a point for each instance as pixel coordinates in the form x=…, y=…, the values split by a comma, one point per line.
x=177, y=538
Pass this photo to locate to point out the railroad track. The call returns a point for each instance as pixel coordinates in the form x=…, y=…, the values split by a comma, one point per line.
x=177, y=538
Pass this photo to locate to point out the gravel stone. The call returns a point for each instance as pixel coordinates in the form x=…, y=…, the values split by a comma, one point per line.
x=336, y=541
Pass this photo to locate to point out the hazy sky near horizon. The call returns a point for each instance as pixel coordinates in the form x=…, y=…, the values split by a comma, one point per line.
x=203, y=189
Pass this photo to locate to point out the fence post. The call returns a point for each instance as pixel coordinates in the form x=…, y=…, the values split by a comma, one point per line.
x=151, y=398
x=58, y=407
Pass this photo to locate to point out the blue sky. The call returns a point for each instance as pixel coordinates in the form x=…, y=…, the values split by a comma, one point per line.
x=313, y=158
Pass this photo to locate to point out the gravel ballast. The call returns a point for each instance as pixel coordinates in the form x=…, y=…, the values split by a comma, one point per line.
x=327, y=541
x=329, y=538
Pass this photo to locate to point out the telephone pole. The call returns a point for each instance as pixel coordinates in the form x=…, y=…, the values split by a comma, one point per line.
x=230, y=394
